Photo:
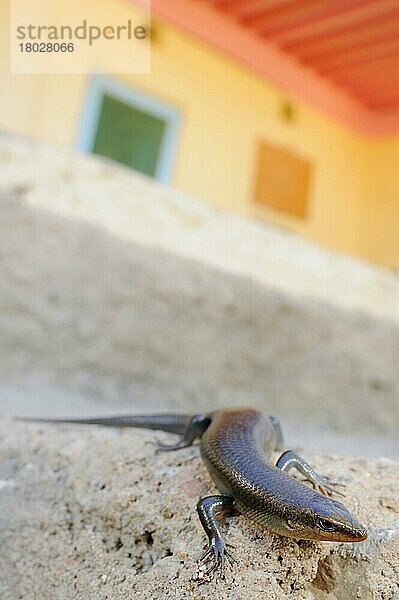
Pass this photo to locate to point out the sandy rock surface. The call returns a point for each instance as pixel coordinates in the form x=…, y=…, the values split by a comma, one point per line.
x=91, y=513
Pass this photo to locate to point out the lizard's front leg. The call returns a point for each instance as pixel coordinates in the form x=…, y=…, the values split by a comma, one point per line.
x=291, y=460
x=211, y=510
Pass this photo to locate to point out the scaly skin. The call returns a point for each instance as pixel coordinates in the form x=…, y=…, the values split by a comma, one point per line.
x=234, y=448
x=235, y=444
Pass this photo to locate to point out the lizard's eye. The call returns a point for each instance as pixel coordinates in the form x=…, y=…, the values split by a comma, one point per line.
x=325, y=525
x=290, y=525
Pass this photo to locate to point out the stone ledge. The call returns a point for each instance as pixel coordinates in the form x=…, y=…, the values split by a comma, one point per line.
x=92, y=513
x=143, y=211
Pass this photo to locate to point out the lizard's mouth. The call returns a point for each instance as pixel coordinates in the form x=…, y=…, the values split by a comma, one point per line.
x=358, y=535
x=352, y=531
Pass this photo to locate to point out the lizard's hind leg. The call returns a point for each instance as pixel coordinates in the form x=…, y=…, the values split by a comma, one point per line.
x=195, y=430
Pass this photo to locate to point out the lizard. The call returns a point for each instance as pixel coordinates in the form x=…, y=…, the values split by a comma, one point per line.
x=235, y=445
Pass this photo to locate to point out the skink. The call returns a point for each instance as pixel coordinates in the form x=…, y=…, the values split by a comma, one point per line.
x=235, y=444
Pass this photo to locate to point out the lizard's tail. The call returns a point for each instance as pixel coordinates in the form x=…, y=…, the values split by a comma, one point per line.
x=172, y=423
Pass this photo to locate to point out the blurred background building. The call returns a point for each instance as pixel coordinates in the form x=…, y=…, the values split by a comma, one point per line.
x=283, y=110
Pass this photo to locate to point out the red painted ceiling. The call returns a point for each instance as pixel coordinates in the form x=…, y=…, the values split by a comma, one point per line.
x=352, y=43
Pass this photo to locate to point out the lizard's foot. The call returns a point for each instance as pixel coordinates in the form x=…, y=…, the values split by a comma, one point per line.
x=327, y=486
x=161, y=447
x=216, y=552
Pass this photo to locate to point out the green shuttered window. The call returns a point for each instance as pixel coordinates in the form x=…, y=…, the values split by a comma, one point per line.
x=129, y=135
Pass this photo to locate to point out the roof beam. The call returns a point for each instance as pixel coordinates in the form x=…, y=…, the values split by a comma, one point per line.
x=365, y=27
x=248, y=9
x=355, y=48
x=331, y=21
x=366, y=60
x=311, y=14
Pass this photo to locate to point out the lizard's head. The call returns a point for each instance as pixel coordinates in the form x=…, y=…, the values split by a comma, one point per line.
x=326, y=520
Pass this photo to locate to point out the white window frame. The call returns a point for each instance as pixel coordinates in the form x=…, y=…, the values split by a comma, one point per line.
x=100, y=85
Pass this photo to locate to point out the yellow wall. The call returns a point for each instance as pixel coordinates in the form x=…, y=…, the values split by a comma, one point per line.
x=381, y=206
x=226, y=110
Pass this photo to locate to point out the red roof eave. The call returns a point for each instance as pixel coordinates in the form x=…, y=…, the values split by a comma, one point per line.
x=212, y=26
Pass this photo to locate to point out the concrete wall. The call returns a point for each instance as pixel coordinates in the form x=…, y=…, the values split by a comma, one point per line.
x=114, y=297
